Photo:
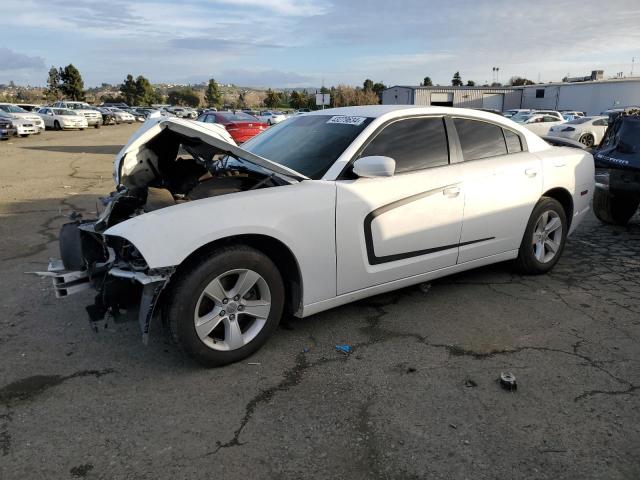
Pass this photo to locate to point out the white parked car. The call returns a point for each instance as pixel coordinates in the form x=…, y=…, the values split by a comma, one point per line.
x=62, y=118
x=316, y=212
x=516, y=111
x=586, y=130
x=271, y=118
x=538, y=123
x=27, y=118
x=120, y=115
x=183, y=112
x=92, y=114
x=10, y=126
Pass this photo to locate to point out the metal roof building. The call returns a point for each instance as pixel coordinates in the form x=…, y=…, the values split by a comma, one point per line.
x=592, y=97
x=500, y=98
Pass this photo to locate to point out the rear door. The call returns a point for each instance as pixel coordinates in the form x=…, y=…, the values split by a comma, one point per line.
x=502, y=184
x=389, y=228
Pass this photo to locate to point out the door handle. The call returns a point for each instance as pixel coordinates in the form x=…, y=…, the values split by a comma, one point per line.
x=451, y=192
x=531, y=172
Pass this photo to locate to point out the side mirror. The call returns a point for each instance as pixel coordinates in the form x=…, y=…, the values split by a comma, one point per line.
x=374, y=166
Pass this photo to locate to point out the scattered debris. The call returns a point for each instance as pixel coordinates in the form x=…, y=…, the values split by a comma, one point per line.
x=254, y=363
x=470, y=383
x=508, y=381
x=425, y=287
x=452, y=425
x=306, y=349
x=411, y=370
x=346, y=349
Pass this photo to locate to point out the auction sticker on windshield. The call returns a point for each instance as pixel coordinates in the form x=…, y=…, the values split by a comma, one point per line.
x=347, y=120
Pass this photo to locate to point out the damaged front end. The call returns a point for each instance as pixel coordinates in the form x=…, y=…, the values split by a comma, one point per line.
x=167, y=162
x=109, y=265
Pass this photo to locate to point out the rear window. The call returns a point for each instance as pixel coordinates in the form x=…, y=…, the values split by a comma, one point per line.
x=480, y=139
x=236, y=117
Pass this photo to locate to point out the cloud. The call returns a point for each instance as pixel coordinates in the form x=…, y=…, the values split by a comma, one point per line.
x=10, y=60
x=265, y=78
x=220, y=44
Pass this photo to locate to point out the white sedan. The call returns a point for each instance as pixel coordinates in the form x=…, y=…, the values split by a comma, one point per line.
x=538, y=123
x=316, y=212
x=270, y=117
x=62, y=118
x=31, y=122
x=586, y=130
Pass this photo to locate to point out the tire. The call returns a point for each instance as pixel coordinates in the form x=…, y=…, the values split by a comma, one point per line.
x=81, y=129
x=614, y=208
x=56, y=125
x=187, y=304
x=536, y=254
x=24, y=135
x=587, y=140
x=97, y=125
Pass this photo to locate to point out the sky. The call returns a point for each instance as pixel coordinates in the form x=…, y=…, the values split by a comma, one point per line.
x=305, y=43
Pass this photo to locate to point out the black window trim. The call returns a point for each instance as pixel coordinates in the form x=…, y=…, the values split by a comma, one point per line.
x=452, y=151
x=523, y=141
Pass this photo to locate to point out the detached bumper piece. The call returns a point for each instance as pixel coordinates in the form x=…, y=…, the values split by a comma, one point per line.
x=65, y=283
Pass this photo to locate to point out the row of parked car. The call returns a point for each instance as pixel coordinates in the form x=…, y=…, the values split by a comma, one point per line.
x=573, y=125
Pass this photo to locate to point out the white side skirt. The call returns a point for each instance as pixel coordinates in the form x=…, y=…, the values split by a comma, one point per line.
x=323, y=305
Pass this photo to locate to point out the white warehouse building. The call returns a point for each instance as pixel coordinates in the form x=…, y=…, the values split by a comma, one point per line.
x=592, y=97
x=500, y=98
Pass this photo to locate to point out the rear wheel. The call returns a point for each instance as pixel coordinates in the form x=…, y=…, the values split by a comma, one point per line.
x=544, y=238
x=587, y=140
x=224, y=308
x=614, y=208
x=97, y=125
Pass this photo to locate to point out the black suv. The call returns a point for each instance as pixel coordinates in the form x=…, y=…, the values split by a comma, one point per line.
x=617, y=161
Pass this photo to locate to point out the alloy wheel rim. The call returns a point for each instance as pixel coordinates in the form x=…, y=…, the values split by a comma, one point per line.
x=232, y=309
x=547, y=236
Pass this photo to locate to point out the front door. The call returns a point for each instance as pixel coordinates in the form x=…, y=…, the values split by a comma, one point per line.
x=389, y=228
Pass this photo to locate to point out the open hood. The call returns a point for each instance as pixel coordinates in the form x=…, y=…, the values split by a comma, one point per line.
x=134, y=158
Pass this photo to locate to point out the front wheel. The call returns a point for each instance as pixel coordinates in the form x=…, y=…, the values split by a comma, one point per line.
x=56, y=125
x=97, y=125
x=224, y=308
x=587, y=140
x=544, y=238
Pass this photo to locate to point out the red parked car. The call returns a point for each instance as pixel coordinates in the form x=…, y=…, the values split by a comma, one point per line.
x=241, y=126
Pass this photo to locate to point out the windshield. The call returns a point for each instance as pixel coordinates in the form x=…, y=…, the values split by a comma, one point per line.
x=64, y=111
x=12, y=109
x=308, y=144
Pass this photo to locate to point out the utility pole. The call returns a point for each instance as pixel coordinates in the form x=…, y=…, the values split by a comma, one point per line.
x=633, y=61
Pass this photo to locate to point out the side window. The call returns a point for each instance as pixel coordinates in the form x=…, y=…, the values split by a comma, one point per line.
x=480, y=139
x=540, y=93
x=514, y=144
x=211, y=119
x=414, y=143
x=550, y=118
x=601, y=123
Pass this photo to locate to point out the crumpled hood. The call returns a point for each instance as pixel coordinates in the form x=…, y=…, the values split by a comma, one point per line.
x=211, y=134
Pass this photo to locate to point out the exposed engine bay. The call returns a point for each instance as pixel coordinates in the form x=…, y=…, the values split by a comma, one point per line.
x=169, y=168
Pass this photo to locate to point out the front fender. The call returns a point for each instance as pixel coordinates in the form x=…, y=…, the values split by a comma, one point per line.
x=301, y=216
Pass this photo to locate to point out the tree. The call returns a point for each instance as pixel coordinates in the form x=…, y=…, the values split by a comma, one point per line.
x=519, y=81
x=53, y=84
x=471, y=83
x=145, y=93
x=212, y=95
x=456, y=81
x=367, y=86
x=272, y=99
x=71, y=84
x=128, y=90
x=184, y=96
x=427, y=82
